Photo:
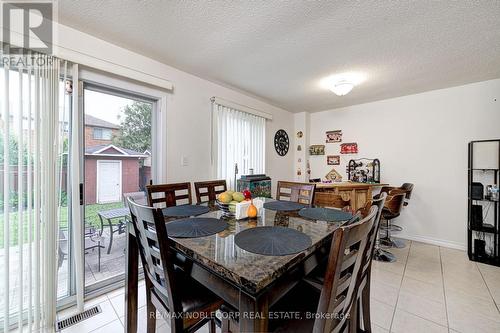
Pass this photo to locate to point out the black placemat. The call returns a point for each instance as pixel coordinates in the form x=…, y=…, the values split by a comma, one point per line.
x=195, y=227
x=283, y=205
x=185, y=211
x=272, y=241
x=325, y=214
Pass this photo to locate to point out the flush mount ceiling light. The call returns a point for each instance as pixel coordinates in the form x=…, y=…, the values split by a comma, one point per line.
x=342, y=84
x=342, y=88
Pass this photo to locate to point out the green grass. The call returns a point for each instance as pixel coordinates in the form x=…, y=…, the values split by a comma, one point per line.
x=90, y=216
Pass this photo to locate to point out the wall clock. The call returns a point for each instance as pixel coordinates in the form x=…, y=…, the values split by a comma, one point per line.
x=281, y=142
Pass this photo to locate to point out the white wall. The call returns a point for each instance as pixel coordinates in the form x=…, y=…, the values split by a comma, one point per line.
x=420, y=139
x=188, y=108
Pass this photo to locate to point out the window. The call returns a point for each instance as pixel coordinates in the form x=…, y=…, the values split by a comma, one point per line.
x=102, y=133
x=238, y=138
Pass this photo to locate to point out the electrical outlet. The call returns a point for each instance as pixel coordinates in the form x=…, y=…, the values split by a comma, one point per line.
x=184, y=161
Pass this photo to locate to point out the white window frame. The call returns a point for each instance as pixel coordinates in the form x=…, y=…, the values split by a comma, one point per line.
x=159, y=115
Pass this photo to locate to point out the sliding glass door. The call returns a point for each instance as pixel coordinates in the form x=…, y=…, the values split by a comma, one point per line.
x=70, y=150
x=117, y=159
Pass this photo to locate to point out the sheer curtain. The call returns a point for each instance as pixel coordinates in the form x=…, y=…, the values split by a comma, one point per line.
x=30, y=160
x=237, y=138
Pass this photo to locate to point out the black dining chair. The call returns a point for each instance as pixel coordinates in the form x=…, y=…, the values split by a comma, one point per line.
x=186, y=303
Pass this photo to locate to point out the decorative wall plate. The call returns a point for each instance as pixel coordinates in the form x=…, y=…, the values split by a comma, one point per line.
x=281, y=142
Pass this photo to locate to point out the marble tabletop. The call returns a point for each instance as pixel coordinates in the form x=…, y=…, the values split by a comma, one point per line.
x=250, y=271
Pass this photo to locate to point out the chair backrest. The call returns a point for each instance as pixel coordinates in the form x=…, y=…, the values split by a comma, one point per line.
x=378, y=202
x=296, y=192
x=339, y=291
x=408, y=187
x=168, y=195
x=154, y=249
x=329, y=199
x=395, y=201
x=138, y=197
x=207, y=191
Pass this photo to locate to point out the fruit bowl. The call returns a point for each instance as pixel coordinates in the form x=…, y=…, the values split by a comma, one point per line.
x=224, y=208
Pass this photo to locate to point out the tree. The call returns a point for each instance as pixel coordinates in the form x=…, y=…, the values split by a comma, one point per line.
x=13, y=150
x=135, y=128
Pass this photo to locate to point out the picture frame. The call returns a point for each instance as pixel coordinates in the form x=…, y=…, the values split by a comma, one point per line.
x=333, y=160
x=349, y=148
x=317, y=150
x=334, y=136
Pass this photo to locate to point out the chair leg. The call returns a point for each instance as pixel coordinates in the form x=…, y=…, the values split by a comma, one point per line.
x=365, y=307
x=151, y=313
x=212, y=326
x=353, y=320
x=224, y=327
x=382, y=255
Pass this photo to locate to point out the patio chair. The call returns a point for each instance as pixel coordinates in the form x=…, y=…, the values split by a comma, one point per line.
x=93, y=239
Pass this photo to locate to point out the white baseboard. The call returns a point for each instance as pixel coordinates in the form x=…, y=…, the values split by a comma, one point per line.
x=433, y=241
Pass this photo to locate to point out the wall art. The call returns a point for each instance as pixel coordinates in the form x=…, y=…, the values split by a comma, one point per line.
x=281, y=142
x=349, y=148
x=333, y=160
x=333, y=176
x=299, y=134
x=334, y=136
x=317, y=150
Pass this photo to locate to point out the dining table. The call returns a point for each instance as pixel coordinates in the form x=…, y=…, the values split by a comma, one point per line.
x=248, y=282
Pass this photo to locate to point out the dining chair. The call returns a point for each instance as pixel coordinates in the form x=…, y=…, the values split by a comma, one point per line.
x=186, y=303
x=296, y=192
x=329, y=199
x=340, y=283
x=168, y=195
x=209, y=190
x=139, y=197
x=330, y=297
x=363, y=298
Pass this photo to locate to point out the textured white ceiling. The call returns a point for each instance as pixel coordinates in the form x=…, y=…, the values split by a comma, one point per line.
x=280, y=50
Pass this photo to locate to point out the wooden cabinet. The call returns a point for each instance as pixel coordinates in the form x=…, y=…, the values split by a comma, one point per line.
x=357, y=194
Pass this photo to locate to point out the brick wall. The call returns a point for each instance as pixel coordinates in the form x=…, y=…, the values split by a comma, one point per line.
x=130, y=176
x=89, y=137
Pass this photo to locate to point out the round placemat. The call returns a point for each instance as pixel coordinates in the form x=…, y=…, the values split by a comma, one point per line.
x=325, y=214
x=195, y=227
x=272, y=241
x=185, y=210
x=283, y=205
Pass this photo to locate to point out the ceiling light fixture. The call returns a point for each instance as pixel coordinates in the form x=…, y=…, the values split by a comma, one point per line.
x=342, y=88
x=342, y=84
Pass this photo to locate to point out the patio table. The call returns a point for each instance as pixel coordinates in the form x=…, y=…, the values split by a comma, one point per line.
x=248, y=282
x=110, y=215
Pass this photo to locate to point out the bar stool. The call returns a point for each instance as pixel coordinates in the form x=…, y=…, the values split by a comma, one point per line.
x=407, y=188
x=392, y=209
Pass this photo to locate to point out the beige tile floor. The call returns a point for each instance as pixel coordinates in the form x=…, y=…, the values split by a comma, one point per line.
x=429, y=289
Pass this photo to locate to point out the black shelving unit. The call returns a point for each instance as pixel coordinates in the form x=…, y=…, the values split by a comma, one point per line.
x=483, y=231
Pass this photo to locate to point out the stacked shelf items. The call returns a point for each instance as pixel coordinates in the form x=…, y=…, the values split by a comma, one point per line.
x=483, y=201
